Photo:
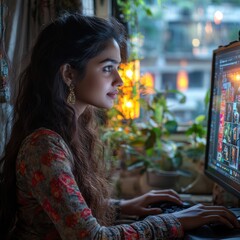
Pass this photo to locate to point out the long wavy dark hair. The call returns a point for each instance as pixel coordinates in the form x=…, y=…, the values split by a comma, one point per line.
x=41, y=102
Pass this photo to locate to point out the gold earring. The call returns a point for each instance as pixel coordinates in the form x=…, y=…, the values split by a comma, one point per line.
x=71, y=99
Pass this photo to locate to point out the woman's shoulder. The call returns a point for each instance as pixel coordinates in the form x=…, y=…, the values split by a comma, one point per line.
x=43, y=138
x=43, y=133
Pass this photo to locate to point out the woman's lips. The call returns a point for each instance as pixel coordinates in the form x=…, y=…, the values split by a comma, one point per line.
x=113, y=94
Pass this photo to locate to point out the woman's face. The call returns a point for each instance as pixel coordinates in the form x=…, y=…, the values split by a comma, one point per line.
x=99, y=85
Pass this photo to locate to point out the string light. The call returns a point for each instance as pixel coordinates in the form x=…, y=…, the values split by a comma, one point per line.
x=128, y=101
x=182, y=80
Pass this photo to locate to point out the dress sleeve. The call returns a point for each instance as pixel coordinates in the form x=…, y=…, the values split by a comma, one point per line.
x=53, y=186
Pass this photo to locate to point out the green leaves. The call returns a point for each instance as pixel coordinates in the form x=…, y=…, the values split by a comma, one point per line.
x=180, y=96
x=130, y=8
x=195, y=152
x=197, y=129
x=200, y=118
x=197, y=133
x=171, y=126
x=207, y=98
x=153, y=135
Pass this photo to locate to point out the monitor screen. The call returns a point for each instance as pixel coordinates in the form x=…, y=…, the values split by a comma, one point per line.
x=223, y=139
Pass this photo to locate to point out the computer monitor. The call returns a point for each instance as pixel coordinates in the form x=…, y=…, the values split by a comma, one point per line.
x=222, y=162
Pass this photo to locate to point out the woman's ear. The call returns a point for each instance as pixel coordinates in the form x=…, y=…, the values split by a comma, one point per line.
x=67, y=73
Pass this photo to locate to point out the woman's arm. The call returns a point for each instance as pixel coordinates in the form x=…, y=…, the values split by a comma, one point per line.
x=44, y=166
x=52, y=184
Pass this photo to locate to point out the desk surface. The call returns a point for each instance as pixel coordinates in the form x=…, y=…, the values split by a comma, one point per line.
x=205, y=199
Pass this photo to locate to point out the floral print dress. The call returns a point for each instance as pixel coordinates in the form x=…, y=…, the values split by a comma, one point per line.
x=50, y=203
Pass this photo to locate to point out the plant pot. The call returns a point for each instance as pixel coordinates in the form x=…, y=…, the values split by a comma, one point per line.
x=163, y=179
x=128, y=183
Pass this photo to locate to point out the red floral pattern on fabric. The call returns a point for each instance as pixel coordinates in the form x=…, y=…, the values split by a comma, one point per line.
x=50, y=210
x=22, y=168
x=51, y=205
x=37, y=178
x=67, y=180
x=51, y=156
x=35, y=136
x=86, y=213
x=83, y=234
x=130, y=234
x=56, y=191
x=174, y=231
x=72, y=220
x=68, y=183
x=80, y=198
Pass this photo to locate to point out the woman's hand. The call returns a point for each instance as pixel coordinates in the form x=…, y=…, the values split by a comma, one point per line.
x=139, y=206
x=199, y=215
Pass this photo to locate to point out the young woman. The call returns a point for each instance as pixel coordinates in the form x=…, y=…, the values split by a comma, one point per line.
x=53, y=184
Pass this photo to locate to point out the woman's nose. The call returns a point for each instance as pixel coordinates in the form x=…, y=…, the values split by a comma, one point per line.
x=118, y=80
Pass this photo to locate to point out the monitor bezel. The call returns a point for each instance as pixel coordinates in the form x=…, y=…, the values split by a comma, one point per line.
x=228, y=184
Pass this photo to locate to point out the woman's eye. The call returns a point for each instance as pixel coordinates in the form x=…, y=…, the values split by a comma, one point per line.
x=108, y=68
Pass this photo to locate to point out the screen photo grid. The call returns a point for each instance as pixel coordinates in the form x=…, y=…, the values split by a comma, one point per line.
x=230, y=123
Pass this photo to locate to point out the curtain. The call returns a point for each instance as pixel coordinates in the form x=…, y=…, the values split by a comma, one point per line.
x=5, y=107
x=22, y=21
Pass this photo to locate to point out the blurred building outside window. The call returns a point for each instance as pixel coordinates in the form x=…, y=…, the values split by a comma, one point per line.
x=178, y=44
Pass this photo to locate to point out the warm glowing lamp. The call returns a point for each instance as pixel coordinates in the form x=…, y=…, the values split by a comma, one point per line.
x=129, y=73
x=128, y=101
x=182, y=80
x=147, y=80
x=208, y=28
x=218, y=16
x=195, y=42
x=237, y=77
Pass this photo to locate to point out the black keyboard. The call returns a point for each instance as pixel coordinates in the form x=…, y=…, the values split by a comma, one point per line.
x=215, y=231
x=170, y=207
x=207, y=232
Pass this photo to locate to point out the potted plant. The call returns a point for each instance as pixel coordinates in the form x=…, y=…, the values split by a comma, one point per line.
x=144, y=145
x=194, y=152
x=164, y=154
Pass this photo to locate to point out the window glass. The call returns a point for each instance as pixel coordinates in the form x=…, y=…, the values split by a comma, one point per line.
x=177, y=47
